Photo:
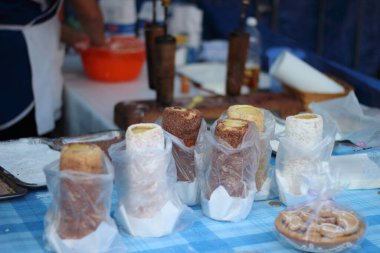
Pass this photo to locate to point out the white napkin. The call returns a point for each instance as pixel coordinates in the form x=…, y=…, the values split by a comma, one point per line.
x=357, y=171
x=298, y=74
x=222, y=206
x=188, y=192
x=286, y=196
x=160, y=224
x=264, y=192
x=304, y=186
x=101, y=240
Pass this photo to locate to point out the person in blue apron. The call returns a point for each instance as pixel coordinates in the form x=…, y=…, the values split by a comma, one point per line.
x=31, y=57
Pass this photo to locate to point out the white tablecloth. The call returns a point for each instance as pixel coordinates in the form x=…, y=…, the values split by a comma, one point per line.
x=89, y=105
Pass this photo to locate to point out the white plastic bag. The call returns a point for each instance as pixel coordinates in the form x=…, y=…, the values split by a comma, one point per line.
x=78, y=219
x=148, y=204
x=302, y=169
x=320, y=226
x=353, y=123
x=228, y=175
x=187, y=185
x=265, y=175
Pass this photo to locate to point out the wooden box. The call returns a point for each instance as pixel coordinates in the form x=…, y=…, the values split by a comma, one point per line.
x=307, y=98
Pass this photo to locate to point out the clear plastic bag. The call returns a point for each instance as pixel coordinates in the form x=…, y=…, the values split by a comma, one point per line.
x=148, y=204
x=354, y=122
x=320, y=226
x=304, y=169
x=265, y=176
x=228, y=175
x=78, y=219
x=187, y=185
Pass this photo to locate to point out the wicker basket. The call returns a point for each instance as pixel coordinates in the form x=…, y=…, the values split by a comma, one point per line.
x=307, y=98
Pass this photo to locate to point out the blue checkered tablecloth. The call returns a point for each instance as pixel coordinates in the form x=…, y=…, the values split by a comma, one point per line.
x=21, y=228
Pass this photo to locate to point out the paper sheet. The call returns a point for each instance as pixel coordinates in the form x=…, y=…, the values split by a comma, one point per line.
x=188, y=192
x=357, y=171
x=222, y=206
x=103, y=239
x=162, y=223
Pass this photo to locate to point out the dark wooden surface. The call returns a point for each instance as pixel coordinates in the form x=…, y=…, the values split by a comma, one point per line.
x=127, y=113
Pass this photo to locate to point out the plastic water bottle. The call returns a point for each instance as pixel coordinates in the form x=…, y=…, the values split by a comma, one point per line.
x=119, y=16
x=253, y=64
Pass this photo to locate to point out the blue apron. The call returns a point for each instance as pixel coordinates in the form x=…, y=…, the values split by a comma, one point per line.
x=30, y=63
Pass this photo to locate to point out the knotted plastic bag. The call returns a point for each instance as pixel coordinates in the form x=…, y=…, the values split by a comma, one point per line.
x=320, y=225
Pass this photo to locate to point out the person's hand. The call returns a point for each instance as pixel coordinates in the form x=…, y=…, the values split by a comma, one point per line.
x=91, y=20
x=75, y=39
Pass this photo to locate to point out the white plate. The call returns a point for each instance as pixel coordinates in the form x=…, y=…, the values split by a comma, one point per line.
x=212, y=76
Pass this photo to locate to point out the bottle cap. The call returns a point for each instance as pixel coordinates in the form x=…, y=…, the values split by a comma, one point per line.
x=251, y=21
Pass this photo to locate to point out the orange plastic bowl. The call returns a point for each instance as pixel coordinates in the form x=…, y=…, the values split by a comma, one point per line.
x=120, y=60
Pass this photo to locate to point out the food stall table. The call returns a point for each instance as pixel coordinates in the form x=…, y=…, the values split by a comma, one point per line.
x=89, y=108
x=21, y=227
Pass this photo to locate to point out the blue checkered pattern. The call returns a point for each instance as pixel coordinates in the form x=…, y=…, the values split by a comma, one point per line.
x=21, y=228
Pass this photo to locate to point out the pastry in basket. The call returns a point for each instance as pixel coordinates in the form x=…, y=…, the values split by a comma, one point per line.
x=184, y=124
x=320, y=229
x=228, y=170
x=81, y=211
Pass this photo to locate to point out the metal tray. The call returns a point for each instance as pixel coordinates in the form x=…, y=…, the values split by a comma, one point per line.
x=102, y=139
x=18, y=175
x=15, y=190
x=21, y=174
